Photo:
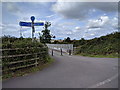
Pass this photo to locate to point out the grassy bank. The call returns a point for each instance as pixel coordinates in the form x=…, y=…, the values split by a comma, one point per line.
x=105, y=46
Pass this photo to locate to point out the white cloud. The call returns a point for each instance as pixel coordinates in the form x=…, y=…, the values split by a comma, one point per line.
x=50, y=16
x=68, y=10
x=99, y=23
x=12, y=7
x=114, y=23
x=93, y=29
x=80, y=10
x=20, y=12
x=10, y=29
x=67, y=23
x=14, y=30
x=77, y=28
x=92, y=34
x=69, y=33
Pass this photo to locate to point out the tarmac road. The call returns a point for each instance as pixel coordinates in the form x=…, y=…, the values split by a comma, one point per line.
x=71, y=72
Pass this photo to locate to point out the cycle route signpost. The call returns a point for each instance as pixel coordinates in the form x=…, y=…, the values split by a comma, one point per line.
x=31, y=24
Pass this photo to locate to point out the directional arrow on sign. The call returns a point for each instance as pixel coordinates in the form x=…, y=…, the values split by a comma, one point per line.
x=28, y=24
x=38, y=24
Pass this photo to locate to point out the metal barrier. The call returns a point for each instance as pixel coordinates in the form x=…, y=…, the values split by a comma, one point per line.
x=68, y=48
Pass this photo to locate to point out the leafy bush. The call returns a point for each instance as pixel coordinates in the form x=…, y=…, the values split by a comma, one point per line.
x=104, y=45
x=18, y=46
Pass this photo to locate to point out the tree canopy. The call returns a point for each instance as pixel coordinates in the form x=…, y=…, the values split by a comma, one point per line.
x=46, y=37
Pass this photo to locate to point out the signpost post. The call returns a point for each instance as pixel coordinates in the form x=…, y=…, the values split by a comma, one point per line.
x=31, y=24
x=33, y=29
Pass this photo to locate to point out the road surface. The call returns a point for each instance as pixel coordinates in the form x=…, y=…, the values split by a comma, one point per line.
x=71, y=72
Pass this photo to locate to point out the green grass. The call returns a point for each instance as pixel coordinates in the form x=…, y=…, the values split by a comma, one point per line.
x=99, y=56
x=28, y=70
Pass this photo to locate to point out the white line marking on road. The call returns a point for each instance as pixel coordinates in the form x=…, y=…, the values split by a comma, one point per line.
x=104, y=82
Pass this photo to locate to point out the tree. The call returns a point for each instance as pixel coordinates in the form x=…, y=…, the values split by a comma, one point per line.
x=56, y=42
x=82, y=41
x=46, y=37
x=68, y=40
x=54, y=37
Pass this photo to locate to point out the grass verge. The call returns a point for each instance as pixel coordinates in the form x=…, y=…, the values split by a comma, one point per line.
x=28, y=70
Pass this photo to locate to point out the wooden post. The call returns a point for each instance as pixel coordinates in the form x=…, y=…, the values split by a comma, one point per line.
x=36, y=60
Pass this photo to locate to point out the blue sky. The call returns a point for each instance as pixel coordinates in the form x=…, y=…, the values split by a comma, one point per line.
x=69, y=19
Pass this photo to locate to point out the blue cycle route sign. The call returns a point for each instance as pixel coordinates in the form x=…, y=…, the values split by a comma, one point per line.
x=31, y=24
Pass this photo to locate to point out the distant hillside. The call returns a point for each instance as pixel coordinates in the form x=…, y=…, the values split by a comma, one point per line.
x=105, y=45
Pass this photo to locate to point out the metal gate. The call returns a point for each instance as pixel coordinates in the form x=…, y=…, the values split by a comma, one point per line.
x=68, y=48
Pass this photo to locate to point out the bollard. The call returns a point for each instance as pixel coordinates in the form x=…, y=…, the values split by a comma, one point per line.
x=61, y=52
x=69, y=52
x=52, y=52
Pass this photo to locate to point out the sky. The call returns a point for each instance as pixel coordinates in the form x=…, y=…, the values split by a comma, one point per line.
x=76, y=20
